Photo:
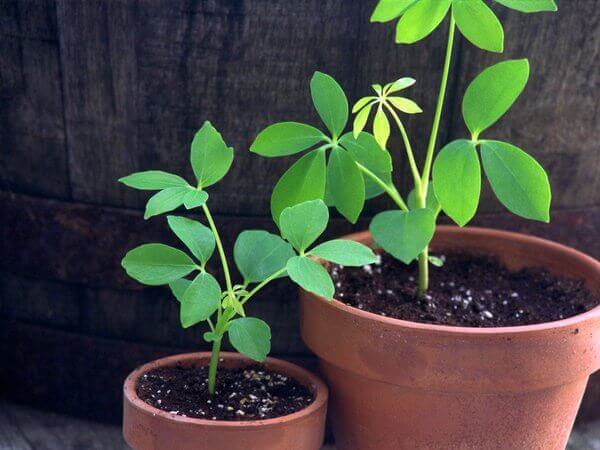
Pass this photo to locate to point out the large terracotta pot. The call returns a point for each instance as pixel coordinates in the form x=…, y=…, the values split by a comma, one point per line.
x=148, y=428
x=403, y=385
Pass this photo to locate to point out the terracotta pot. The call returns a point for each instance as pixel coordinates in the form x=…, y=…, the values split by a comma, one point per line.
x=149, y=428
x=403, y=385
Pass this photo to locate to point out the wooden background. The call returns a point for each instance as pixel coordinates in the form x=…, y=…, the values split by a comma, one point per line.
x=94, y=90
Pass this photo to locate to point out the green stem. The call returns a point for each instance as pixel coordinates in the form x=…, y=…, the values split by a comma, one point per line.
x=262, y=284
x=212, y=368
x=390, y=190
x=409, y=152
x=438, y=109
x=422, y=198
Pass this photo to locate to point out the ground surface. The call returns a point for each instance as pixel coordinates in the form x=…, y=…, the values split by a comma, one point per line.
x=23, y=428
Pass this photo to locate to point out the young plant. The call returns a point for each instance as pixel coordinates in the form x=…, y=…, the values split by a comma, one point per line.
x=360, y=167
x=260, y=256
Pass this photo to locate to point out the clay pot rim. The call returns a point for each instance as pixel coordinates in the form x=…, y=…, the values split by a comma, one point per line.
x=472, y=331
x=301, y=375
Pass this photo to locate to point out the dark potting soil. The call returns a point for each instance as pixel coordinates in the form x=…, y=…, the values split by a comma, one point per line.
x=250, y=393
x=468, y=290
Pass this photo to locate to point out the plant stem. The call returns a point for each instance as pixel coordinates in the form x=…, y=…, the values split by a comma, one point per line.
x=424, y=185
x=262, y=284
x=438, y=109
x=212, y=368
x=390, y=190
x=409, y=152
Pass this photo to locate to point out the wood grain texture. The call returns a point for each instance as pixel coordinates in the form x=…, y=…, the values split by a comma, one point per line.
x=33, y=151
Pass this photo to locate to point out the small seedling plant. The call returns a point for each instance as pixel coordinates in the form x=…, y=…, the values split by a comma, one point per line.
x=359, y=166
x=260, y=256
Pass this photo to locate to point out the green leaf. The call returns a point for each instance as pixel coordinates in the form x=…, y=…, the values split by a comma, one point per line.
x=330, y=102
x=210, y=156
x=286, y=138
x=405, y=105
x=366, y=151
x=250, y=336
x=478, y=23
x=310, y=276
x=530, y=6
x=436, y=261
x=304, y=180
x=360, y=104
x=517, y=179
x=196, y=236
x=457, y=180
x=302, y=224
x=200, y=300
x=431, y=202
x=156, y=264
x=195, y=198
x=345, y=184
x=361, y=119
x=420, y=20
x=345, y=252
x=151, y=180
x=259, y=254
x=403, y=234
x=165, y=201
x=178, y=288
x=232, y=302
x=492, y=93
x=381, y=128
x=209, y=336
x=399, y=85
x=387, y=10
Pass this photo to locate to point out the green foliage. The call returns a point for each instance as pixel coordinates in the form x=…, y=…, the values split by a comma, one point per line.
x=345, y=184
x=156, y=264
x=200, y=300
x=387, y=10
x=366, y=151
x=492, y=93
x=420, y=20
x=347, y=253
x=478, y=23
x=311, y=276
x=330, y=101
x=196, y=236
x=302, y=224
x=250, y=336
x=518, y=181
x=303, y=181
x=166, y=200
x=286, y=138
x=195, y=199
x=457, y=180
x=431, y=201
x=259, y=254
x=152, y=180
x=403, y=234
x=530, y=6
x=210, y=156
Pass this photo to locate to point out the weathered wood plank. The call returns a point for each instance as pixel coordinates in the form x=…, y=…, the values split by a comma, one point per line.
x=23, y=428
x=556, y=119
x=32, y=138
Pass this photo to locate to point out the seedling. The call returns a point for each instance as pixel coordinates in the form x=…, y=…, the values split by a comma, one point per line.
x=359, y=165
x=260, y=256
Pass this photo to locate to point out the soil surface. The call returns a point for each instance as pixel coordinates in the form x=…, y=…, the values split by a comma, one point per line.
x=250, y=393
x=468, y=290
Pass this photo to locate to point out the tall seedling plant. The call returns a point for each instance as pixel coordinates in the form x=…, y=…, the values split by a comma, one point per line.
x=260, y=256
x=359, y=165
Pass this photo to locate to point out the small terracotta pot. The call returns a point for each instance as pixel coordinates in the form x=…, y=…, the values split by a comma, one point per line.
x=403, y=385
x=149, y=428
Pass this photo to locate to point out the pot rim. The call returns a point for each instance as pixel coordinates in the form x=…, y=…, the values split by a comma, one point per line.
x=473, y=331
x=301, y=375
